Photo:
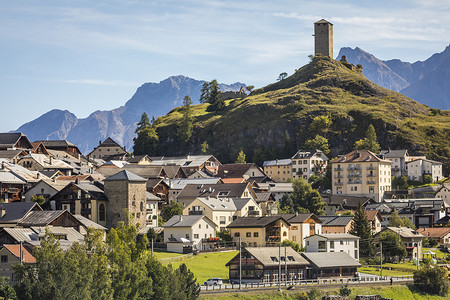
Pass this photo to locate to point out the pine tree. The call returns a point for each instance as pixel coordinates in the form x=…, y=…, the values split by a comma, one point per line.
x=143, y=123
x=216, y=103
x=204, y=97
x=369, y=142
x=185, y=129
x=361, y=227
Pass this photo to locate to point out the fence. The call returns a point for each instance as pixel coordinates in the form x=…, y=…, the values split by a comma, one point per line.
x=353, y=280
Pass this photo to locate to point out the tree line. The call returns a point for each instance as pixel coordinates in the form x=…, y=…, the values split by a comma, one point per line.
x=120, y=268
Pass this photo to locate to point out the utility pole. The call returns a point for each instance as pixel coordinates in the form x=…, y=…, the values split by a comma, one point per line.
x=152, y=246
x=417, y=255
x=279, y=267
x=381, y=259
x=240, y=263
x=285, y=268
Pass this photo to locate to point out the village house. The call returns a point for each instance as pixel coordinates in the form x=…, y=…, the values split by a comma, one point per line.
x=11, y=255
x=46, y=189
x=142, y=160
x=398, y=160
x=152, y=204
x=12, y=213
x=247, y=171
x=277, y=190
x=30, y=177
x=222, y=211
x=108, y=150
x=336, y=224
x=412, y=240
x=418, y=168
x=302, y=226
x=259, y=231
x=361, y=173
x=61, y=145
x=338, y=203
x=335, y=242
x=375, y=219
x=126, y=193
x=267, y=202
x=261, y=265
x=308, y=163
x=325, y=265
x=186, y=233
x=439, y=234
x=236, y=190
x=443, y=192
x=190, y=163
x=178, y=184
x=279, y=170
x=11, y=186
x=40, y=162
x=14, y=140
x=158, y=188
x=83, y=198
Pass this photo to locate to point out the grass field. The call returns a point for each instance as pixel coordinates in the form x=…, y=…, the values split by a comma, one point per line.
x=164, y=254
x=207, y=265
x=397, y=292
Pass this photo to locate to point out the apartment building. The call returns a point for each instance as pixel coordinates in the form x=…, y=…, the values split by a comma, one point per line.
x=418, y=168
x=361, y=173
x=280, y=170
x=308, y=163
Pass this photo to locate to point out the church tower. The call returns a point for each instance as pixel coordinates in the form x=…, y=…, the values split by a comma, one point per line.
x=323, y=38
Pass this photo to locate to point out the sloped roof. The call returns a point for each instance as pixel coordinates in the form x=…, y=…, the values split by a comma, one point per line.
x=137, y=158
x=394, y=153
x=405, y=232
x=146, y=171
x=125, y=175
x=322, y=21
x=359, y=156
x=240, y=202
x=21, y=234
x=335, y=220
x=70, y=234
x=348, y=202
x=183, y=161
x=435, y=232
x=427, y=160
x=233, y=180
x=234, y=190
x=8, y=177
x=55, y=143
x=262, y=197
x=336, y=236
x=21, y=172
x=278, y=162
x=268, y=256
x=151, y=197
x=235, y=170
x=218, y=204
x=10, y=139
x=40, y=218
x=250, y=222
x=15, y=211
x=109, y=142
x=47, y=162
x=27, y=257
x=184, y=221
x=10, y=154
x=94, y=190
x=372, y=214
x=89, y=223
x=300, y=218
x=180, y=183
x=330, y=259
x=305, y=154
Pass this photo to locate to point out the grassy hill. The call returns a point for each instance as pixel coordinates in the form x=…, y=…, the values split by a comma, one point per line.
x=259, y=124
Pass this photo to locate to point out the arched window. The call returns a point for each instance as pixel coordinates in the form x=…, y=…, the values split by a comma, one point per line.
x=101, y=212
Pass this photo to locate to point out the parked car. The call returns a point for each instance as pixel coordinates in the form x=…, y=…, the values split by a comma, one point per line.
x=213, y=281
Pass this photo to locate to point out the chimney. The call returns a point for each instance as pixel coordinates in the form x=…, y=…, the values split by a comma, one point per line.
x=99, y=142
x=2, y=211
x=38, y=175
x=77, y=180
x=51, y=160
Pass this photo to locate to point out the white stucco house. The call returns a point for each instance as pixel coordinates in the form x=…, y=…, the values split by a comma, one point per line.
x=337, y=242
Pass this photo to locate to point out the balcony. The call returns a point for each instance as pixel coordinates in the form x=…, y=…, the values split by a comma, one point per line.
x=353, y=175
x=371, y=175
x=195, y=212
x=338, y=176
x=354, y=182
x=273, y=238
x=354, y=168
x=253, y=213
x=338, y=169
x=371, y=182
x=338, y=183
x=371, y=168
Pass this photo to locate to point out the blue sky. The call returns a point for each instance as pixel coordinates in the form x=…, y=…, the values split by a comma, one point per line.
x=92, y=55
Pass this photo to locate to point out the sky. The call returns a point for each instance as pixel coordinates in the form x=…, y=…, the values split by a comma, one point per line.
x=84, y=56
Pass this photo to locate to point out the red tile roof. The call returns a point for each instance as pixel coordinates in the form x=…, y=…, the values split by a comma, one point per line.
x=371, y=214
x=15, y=250
x=233, y=180
x=437, y=232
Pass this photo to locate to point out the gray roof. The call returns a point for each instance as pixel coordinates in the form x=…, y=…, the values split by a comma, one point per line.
x=262, y=197
x=125, y=175
x=251, y=222
x=55, y=143
x=335, y=220
x=22, y=234
x=278, y=162
x=180, y=183
x=69, y=233
x=240, y=202
x=231, y=190
x=406, y=232
x=182, y=161
x=10, y=139
x=8, y=177
x=15, y=211
x=330, y=259
x=269, y=256
x=40, y=218
x=88, y=223
x=301, y=154
x=183, y=221
x=218, y=204
x=299, y=218
x=394, y=153
x=346, y=202
x=276, y=187
x=336, y=236
x=10, y=154
x=151, y=197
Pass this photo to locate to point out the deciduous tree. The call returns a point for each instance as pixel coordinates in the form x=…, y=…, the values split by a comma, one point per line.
x=319, y=143
x=170, y=210
x=369, y=142
x=240, y=159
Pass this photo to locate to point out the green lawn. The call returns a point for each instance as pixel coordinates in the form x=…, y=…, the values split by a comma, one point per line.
x=439, y=252
x=164, y=254
x=208, y=265
x=397, y=292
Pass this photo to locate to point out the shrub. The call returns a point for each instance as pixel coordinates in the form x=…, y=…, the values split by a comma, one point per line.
x=432, y=280
x=345, y=291
x=314, y=294
x=427, y=179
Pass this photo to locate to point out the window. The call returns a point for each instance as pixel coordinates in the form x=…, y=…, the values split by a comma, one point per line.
x=356, y=254
x=200, y=226
x=195, y=236
x=274, y=258
x=342, y=242
x=237, y=234
x=248, y=234
x=331, y=244
x=255, y=234
x=101, y=212
x=4, y=258
x=322, y=245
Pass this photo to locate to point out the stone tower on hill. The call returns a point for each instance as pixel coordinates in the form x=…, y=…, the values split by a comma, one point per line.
x=323, y=38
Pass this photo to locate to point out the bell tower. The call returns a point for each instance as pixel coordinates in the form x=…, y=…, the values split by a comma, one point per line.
x=323, y=38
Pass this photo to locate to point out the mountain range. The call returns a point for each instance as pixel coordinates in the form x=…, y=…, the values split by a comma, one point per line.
x=427, y=82
x=156, y=99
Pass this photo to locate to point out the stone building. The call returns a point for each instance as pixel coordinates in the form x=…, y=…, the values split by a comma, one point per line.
x=126, y=192
x=323, y=38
